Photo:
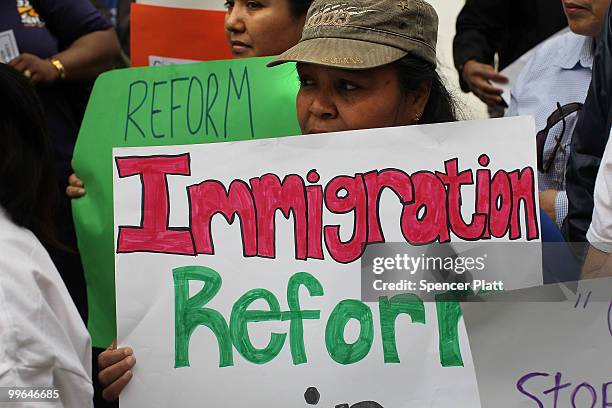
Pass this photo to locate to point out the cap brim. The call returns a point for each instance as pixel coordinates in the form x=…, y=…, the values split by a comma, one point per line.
x=340, y=53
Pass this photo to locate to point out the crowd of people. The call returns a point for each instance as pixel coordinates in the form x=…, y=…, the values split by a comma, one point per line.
x=378, y=71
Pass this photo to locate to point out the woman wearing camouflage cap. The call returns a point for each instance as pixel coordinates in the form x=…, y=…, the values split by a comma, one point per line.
x=368, y=64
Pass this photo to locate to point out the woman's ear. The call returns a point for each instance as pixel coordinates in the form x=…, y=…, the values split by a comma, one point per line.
x=413, y=104
x=420, y=98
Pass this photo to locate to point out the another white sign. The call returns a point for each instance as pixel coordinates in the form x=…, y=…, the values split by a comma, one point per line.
x=8, y=47
x=189, y=4
x=155, y=60
x=546, y=353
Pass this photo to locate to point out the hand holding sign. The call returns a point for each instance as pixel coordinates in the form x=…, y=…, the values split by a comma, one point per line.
x=115, y=365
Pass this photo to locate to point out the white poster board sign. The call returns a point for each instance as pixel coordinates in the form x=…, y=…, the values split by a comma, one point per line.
x=156, y=60
x=188, y=4
x=262, y=311
x=544, y=354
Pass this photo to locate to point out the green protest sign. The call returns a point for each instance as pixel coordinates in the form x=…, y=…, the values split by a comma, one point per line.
x=208, y=102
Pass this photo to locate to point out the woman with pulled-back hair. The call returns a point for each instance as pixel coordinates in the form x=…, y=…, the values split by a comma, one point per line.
x=374, y=67
x=263, y=28
x=42, y=337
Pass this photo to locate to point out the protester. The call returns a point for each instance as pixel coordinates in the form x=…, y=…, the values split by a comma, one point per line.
x=44, y=342
x=588, y=142
x=63, y=46
x=367, y=65
x=551, y=88
x=508, y=29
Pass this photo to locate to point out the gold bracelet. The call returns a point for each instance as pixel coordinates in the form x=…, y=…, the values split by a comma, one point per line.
x=59, y=66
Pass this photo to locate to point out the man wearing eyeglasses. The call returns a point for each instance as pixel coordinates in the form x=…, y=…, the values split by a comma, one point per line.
x=552, y=87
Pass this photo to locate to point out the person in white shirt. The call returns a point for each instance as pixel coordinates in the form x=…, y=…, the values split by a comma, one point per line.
x=43, y=341
x=599, y=259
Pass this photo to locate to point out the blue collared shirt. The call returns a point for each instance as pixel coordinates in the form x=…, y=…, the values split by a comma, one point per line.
x=559, y=71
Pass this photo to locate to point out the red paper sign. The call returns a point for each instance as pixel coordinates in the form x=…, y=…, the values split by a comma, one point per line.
x=177, y=33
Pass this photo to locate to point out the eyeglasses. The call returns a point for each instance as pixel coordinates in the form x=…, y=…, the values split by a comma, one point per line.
x=557, y=116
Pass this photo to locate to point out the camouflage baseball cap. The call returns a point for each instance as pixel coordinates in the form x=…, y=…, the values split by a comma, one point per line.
x=362, y=34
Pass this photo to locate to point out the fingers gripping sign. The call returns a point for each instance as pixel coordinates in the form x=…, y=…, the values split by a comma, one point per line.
x=115, y=370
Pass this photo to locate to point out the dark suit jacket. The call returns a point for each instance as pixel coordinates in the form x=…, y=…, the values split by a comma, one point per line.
x=589, y=141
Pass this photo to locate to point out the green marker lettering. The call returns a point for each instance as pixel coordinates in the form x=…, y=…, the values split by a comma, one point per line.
x=241, y=317
x=296, y=315
x=338, y=349
x=449, y=313
x=408, y=303
x=189, y=314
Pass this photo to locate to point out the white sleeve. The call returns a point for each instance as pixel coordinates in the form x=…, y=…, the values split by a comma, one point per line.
x=43, y=342
x=600, y=231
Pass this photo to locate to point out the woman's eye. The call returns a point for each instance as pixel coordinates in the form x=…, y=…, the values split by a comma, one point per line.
x=348, y=86
x=253, y=5
x=305, y=81
x=228, y=4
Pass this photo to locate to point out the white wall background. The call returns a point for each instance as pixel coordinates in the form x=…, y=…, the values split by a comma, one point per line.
x=447, y=12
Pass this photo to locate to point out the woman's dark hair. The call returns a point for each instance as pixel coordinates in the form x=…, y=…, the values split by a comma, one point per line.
x=299, y=8
x=413, y=72
x=28, y=189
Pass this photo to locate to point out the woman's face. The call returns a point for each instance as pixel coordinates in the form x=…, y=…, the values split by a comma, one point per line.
x=334, y=100
x=261, y=28
x=586, y=17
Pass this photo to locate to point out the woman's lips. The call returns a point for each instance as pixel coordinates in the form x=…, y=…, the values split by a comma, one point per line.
x=574, y=8
x=240, y=47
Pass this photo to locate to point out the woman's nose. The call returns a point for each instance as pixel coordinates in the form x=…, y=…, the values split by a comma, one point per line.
x=234, y=21
x=323, y=106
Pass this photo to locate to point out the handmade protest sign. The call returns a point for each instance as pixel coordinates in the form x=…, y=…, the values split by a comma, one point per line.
x=195, y=103
x=238, y=264
x=543, y=353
